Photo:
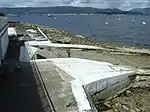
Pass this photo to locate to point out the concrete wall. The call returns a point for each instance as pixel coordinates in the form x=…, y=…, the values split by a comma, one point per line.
x=3, y=37
x=24, y=56
x=12, y=31
x=26, y=53
x=108, y=87
x=4, y=43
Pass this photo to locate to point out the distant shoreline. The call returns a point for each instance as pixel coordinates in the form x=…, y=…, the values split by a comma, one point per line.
x=75, y=39
x=73, y=10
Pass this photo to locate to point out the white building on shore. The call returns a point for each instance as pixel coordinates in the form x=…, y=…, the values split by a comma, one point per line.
x=3, y=37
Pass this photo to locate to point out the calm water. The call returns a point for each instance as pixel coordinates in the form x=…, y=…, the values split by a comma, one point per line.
x=124, y=29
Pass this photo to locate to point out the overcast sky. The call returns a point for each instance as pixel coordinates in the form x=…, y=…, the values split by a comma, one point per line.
x=122, y=4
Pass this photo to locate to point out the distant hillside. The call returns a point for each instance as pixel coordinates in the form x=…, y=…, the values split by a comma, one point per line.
x=144, y=11
x=66, y=9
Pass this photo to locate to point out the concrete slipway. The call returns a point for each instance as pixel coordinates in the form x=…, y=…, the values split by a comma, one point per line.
x=66, y=79
x=71, y=82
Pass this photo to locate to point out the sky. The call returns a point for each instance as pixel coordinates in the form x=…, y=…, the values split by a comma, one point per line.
x=122, y=4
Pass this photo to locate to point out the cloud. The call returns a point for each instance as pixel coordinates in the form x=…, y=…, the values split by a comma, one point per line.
x=123, y=4
x=129, y=4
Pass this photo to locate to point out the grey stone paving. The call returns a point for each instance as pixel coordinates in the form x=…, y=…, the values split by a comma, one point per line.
x=58, y=85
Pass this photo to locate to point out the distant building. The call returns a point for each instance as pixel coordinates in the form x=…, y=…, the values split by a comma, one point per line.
x=3, y=36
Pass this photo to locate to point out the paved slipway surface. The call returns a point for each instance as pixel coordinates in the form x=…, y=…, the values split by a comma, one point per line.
x=124, y=29
x=18, y=90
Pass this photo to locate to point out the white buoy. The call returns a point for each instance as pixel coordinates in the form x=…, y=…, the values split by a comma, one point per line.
x=143, y=22
x=106, y=23
x=133, y=19
x=119, y=18
x=55, y=18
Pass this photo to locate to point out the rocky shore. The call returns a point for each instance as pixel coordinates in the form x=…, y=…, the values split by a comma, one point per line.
x=55, y=35
x=135, y=99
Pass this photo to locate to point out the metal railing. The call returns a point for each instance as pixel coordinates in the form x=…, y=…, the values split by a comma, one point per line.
x=36, y=69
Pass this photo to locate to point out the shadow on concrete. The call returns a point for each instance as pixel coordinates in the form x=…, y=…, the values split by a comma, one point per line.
x=19, y=91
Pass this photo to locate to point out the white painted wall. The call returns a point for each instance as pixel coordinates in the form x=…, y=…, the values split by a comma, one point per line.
x=3, y=37
x=113, y=89
x=109, y=86
x=4, y=44
x=24, y=56
x=26, y=53
x=12, y=31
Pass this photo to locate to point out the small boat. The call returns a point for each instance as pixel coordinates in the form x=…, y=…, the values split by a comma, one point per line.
x=50, y=15
x=133, y=19
x=106, y=23
x=143, y=22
